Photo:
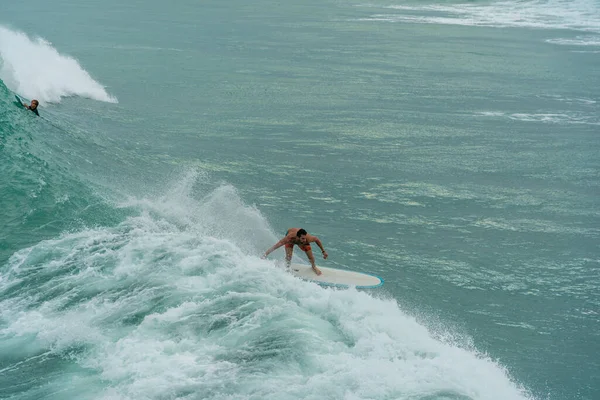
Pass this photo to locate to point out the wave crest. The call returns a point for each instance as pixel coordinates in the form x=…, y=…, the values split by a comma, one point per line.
x=33, y=68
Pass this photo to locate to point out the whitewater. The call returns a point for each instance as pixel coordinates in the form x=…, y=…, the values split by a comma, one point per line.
x=162, y=307
x=33, y=68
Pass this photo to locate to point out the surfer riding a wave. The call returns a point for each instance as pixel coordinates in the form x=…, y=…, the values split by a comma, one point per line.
x=300, y=238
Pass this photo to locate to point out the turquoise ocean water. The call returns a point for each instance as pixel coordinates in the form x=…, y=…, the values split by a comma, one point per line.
x=452, y=148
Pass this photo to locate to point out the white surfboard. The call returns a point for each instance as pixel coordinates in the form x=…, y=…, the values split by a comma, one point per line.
x=337, y=277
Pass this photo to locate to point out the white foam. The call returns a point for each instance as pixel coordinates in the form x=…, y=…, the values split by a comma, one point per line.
x=34, y=69
x=583, y=15
x=589, y=40
x=569, y=100
x=220, y=213
x=549, y=118
x=167, y=307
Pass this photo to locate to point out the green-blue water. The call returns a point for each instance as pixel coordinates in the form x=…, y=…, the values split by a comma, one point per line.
x=451, y=148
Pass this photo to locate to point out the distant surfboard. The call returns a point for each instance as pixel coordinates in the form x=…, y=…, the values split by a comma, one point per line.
x=337, y=277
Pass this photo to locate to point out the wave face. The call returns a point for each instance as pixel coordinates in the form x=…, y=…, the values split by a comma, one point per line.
x=42, y=190
x=33, y=68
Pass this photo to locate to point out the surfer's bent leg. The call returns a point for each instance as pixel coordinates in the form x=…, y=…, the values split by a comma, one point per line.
x=289, y=251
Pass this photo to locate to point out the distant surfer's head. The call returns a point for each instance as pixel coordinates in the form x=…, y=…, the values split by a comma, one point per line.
x=301, y=234
x=34, y=104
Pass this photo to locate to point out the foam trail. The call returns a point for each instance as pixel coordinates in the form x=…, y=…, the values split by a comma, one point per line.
x=580, y=15
x=550, y=118
x=577, y=41
x=35, y=69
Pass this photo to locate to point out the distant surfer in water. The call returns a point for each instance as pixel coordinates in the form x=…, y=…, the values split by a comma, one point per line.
x=300, y=238
x=33, y=106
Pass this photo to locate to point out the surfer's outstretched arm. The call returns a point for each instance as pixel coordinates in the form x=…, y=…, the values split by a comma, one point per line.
x=274, y=247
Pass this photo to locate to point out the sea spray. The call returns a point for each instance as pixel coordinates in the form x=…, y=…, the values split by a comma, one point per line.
x=33, y=68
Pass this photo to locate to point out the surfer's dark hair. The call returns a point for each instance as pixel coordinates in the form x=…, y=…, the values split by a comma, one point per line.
x=301, y=232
